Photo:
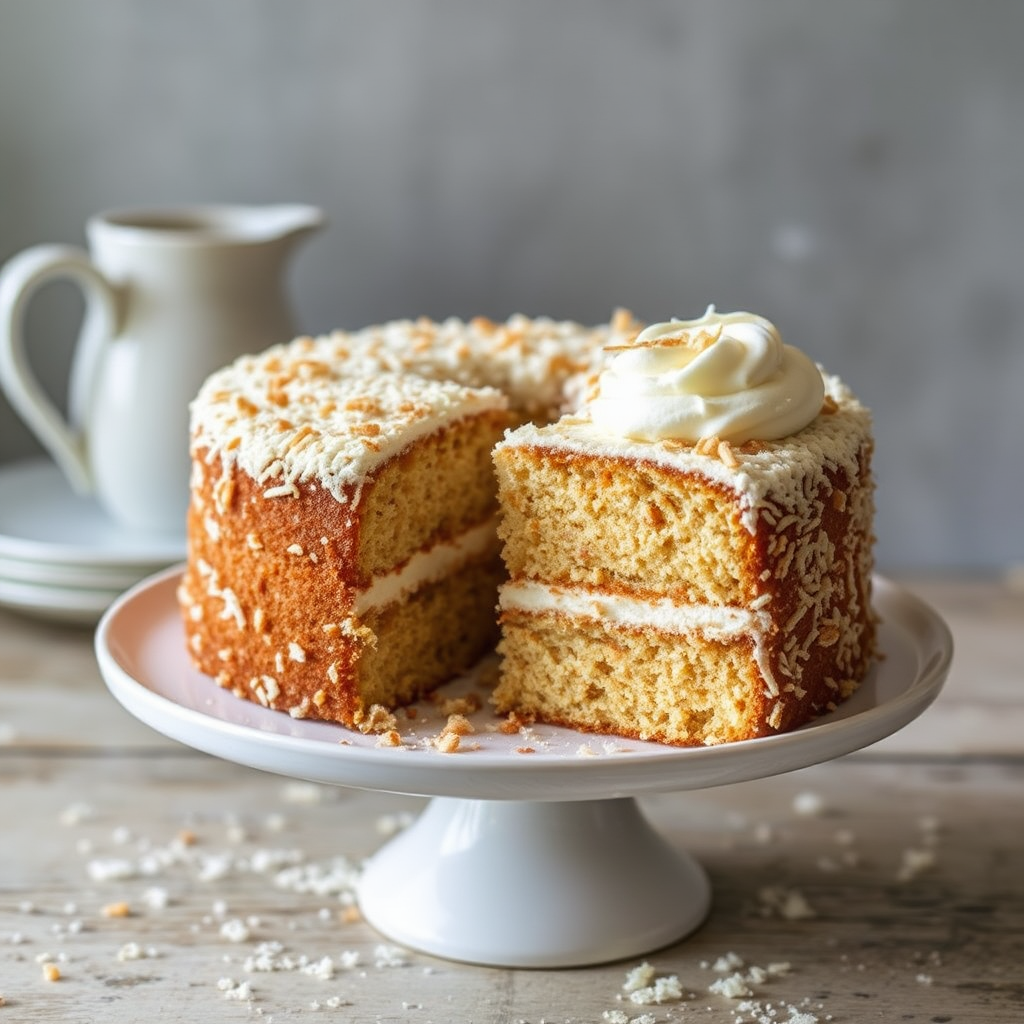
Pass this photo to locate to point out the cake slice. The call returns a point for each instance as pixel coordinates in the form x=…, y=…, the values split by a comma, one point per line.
x=342, y=547
x=690, y=555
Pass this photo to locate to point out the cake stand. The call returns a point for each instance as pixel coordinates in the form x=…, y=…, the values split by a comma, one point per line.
x=533, y=851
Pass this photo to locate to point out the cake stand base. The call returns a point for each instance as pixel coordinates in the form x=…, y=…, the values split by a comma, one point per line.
x=533, y=884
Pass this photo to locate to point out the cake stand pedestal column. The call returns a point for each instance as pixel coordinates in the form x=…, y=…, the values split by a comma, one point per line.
x=533, y=884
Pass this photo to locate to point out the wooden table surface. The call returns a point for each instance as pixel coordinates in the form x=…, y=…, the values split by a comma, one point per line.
x=143, y=881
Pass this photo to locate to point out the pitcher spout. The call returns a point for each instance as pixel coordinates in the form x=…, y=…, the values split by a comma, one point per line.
x=287, y=221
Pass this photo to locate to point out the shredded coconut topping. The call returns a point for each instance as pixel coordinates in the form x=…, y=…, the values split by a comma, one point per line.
x=334, y=407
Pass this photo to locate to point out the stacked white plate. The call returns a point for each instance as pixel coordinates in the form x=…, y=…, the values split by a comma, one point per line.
x=61, y=557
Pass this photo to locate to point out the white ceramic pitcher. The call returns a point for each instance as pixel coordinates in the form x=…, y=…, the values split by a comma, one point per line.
x=171, y=295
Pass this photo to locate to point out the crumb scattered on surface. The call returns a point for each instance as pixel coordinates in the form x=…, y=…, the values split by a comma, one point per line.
x=808, y=804
x=465, y=705
x=789, y=904
x=378, y=720
x=447, y=742
x=914, y=862
x=458, y=724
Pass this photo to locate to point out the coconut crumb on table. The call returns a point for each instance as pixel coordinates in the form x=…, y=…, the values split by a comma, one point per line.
x=639, y=977
x=914, y=862
x=304, y=793
x=391, y=824
x=732, y=986
x=237, y=990
x=789, y=904
x=77, y=813
x=728, y=962
x=808, y=804
x=643, y=987
x=133, y=951
x=235, y=930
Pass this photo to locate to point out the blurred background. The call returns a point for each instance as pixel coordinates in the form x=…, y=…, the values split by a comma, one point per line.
x=855, y=172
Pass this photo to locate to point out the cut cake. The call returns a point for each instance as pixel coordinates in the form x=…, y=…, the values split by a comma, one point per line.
x=689, y=591
x=682, y=572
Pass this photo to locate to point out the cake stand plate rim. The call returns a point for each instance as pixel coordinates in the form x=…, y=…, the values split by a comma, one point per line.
x=140, y=648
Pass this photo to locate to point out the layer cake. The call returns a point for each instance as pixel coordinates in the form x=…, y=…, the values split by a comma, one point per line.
x=689, y=555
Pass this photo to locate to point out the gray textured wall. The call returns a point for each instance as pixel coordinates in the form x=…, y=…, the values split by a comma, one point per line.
x=852, y=170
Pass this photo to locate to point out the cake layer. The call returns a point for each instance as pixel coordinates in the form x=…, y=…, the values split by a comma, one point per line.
x=434, y=491
x=562, y=521
x=599, y=676
x=721, y=526
x=283, y=622
x=694, y=657
x=428, y=566
x=427, y=641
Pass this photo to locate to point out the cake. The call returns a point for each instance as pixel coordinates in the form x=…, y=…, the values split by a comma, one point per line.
x=342, y=551
x=689, y=554
x=680, y=527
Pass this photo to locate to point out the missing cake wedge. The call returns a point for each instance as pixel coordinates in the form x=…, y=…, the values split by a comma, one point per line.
x=690, y=554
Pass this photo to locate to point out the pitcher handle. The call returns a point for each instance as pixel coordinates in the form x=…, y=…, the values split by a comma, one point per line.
x=20, y=278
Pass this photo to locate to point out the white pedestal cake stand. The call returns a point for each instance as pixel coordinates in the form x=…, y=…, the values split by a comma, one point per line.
x=533, y=851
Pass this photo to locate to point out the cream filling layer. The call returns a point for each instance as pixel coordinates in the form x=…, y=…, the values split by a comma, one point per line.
x=714, y=622
x=427, y=567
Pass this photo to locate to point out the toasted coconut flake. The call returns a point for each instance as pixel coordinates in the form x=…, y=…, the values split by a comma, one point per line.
x=829, y=635
x=725, y=454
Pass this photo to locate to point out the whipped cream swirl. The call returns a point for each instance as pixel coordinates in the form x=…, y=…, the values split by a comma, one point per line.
x=726, y=375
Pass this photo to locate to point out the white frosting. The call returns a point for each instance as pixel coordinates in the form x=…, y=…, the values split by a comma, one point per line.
x=331, y=409
x=723, y=375
x=718, y=622
x=426, y=567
